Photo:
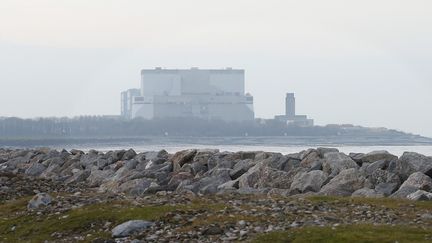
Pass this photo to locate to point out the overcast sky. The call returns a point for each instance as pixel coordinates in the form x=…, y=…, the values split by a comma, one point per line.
x=364, y=62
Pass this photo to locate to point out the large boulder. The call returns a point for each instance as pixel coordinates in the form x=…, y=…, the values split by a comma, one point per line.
x=386, y=188
x=207, y=184
x=416, y=181
x=383, y=176
x=182, y=157
x=78, y=176
x=336, y=162
x=377, y=156
x=282, y=162
x=97, y=177
x=420, y=195
x=39, y=200
x=177, y=178
x=35, y=169
x=411, y=162
x=130, y=227
x=128, y=155
x=240, y=168
x=309, y=181
x=90, y=159
x=369, y=168
x=136, y=187
x=262, y=176
x=322, y=151
x=344, y=184
x=310, y=157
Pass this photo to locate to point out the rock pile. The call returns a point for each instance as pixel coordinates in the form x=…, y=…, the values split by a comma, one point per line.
x=322, y=171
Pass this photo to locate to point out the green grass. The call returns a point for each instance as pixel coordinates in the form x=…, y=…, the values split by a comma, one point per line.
x=83, y=221
x=352, y=233
x=381, y=202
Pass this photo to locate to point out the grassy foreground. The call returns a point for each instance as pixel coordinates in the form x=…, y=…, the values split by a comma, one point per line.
x=18, y=226
x=90, y=222
x=352, y=233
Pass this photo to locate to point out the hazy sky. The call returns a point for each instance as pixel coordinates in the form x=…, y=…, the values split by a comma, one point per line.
x=364, y=62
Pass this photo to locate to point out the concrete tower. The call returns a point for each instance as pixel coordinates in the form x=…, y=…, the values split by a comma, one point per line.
x=290, y=105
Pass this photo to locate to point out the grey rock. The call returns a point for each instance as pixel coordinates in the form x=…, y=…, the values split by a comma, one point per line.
x=380, y=164
x=403, y=192
x=128, y=155
x=286, y=163
x=336, y=162
x=79, y=176
x=420, y=195
x=344, y=184
x=213, y=230
x=426, y=216
x=323, y=151
x=419, y=180
x=130, y=227
x=39, y=200
x=357, y=157
x=35, y=169
x=208, y=184
x=182, y=157
x=377, y=156
x=202, y=156
x=97, y=177
x=177, y=178
x=76, y=152
x=411, y=162
x=199, y=167
x=383, y=176
x=416, y=181
x=309, y=181
x=136, y=187
x=311, y=158
x=153, y=155
x=386, y=188
x=229, y=185
x=262, y=176
x=240, y=168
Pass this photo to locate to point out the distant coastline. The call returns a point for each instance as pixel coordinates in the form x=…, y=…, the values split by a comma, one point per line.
x=191, y=141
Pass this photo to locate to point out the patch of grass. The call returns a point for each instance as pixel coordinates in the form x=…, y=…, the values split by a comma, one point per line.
x=386, y=202
x=87, y=220
x=223, y=220
x=12, y=207
x=352, y=233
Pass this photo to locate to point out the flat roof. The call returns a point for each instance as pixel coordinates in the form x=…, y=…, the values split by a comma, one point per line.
x=193, y=69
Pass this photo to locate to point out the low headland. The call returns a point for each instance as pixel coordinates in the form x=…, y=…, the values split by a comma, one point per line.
x=204, y=195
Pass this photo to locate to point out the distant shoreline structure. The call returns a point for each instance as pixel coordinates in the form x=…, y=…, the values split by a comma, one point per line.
x=209, y=94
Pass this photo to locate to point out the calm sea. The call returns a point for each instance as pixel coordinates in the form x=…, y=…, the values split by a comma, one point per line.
x=253, y=144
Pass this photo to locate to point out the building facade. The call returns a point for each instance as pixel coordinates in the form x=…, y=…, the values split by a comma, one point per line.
x=127, y=98
x=199, y=93
x=290, y=117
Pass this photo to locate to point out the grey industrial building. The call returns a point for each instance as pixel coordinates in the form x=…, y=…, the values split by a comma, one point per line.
x=290, y=117
x=201, y=93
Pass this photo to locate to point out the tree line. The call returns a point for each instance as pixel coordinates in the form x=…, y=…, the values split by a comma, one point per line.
x=100, y=126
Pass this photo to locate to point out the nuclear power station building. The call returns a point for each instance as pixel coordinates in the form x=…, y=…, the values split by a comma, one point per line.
x=200, y=93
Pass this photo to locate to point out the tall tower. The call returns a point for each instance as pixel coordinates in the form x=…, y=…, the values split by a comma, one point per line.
x=290, y=105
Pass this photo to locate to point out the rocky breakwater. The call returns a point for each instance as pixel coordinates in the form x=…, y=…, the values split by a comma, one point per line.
x=322, y=171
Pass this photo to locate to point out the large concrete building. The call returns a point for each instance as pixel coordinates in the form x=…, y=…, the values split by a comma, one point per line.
x=201, y=93
x=127, y=98
x=290, y=117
